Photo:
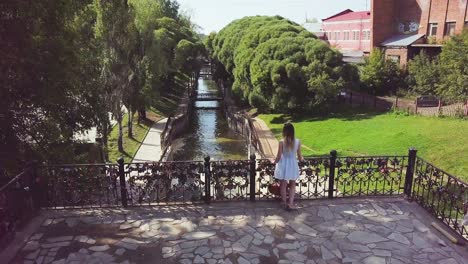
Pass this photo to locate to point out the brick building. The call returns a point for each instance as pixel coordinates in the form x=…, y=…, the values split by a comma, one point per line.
x=405, y=27
x=349, y=32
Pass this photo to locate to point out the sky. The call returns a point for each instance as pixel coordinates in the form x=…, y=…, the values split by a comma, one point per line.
x=213, y=15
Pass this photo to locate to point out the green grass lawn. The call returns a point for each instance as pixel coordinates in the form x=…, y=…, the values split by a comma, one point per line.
x=441, y=141
x=130, y=145
x=165, y=105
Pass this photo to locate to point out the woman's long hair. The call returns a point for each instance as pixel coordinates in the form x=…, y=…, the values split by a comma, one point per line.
x=288, y=135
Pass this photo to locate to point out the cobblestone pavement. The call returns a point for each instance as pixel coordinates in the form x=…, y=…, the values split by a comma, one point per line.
x=369, y=231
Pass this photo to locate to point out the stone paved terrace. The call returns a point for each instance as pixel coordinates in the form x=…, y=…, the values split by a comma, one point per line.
x=370, y=231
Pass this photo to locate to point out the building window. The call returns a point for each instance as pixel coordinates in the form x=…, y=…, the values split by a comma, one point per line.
x=450, y=28
x=366, y=35
x=394, y=58
x=346, y=35
x=432, y=29
x=337, y=35
x=355, y=35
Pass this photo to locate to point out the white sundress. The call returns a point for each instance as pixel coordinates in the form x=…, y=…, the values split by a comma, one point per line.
x=287, y=168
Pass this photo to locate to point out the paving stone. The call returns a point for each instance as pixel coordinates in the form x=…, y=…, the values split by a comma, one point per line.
x=382, y=253
x=207, y=255
x=295, y=256
x=198, y=235
x=124, y=227
x=276, y=252
x=287, y=246
x=48, y=260
x=198, y=259
x=303, y=229
x=36, y=236
x=326, y=254
x=31, y=245
x=447, y=261
x=60, y=261
x=103, y=256
x=99, y=248
x=420, y=226
x=211, y=261
x=363, y=237
x=399, y=238
x=325, y=213
x=268, y=240
x=260, y=251
x=40, y=260
x=242, y=260
x=33, y=255
x=168, y=255
x=374, y=260
x=379, y=209
x=72, y=222
x=81, y=239
x=58, y=244
x=257, y=242
x=202, y=250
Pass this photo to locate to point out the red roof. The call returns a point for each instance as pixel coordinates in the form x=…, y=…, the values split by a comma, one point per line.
x=348, y=14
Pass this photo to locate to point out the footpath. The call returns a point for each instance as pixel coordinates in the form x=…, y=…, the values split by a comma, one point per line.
x=267, y=139
x=150, y=150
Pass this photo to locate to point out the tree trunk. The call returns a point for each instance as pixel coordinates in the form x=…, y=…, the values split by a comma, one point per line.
x=105, y=136
x=130, y=123
x=120, y=139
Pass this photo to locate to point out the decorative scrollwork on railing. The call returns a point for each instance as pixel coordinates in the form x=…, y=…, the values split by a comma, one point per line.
x=163, y=182
x=82, y=185
x=442, y=194
x=230, y=179
x=312, y=182
x=364, y=176
x=265, y=177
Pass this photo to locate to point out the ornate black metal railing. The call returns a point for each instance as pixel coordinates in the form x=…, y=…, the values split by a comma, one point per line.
x=18, y=203
x=370, y=176
x=134, y=184
x=164, y=182
x=443, y=195
x=78, y=186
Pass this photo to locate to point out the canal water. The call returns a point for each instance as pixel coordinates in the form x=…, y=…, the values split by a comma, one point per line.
x=209, y=133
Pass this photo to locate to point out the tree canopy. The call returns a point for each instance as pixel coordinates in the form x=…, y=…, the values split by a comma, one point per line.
x=277, y=65
x=66, y=64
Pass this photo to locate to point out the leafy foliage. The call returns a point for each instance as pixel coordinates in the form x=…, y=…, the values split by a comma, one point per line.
x=380, y=76
x=423, y=74
x=453, y=84
x=277, y=65
x=445, y=75
x=66, y=64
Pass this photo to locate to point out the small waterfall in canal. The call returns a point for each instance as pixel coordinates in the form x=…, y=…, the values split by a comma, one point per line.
x=208, y=132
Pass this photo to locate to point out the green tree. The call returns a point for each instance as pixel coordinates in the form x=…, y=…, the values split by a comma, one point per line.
x=423, y=74
x=453, y=85
x=277, y=65
x=380, y=76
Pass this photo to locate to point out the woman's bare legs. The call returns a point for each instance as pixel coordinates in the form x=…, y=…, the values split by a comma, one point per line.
x=292, y=193
x=283, y=185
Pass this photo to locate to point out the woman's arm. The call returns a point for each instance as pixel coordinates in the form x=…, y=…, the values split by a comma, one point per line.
x=299, y=153
x=280, y=152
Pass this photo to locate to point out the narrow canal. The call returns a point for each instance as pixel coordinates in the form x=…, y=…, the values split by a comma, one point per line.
x=209, y=133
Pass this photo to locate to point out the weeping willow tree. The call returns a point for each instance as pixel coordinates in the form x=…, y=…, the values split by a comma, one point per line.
x=277, y=65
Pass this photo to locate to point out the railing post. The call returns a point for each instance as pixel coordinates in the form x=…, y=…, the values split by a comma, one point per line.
x=252, y=173
x=331, y=178
x=410, y=171
x=123, y=186
x=35, y=185
x=207, y=180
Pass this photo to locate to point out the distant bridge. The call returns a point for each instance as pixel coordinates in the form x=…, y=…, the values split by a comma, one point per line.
x=208, y=97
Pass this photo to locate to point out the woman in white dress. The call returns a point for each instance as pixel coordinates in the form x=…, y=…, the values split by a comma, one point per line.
x=287, y=168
